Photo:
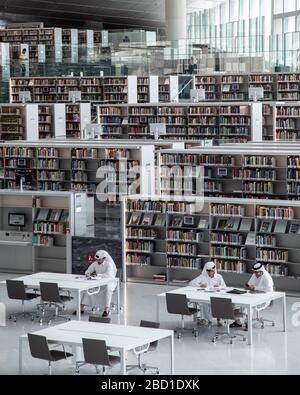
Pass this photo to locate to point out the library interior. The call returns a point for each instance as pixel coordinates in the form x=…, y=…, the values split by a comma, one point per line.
x=150, y=187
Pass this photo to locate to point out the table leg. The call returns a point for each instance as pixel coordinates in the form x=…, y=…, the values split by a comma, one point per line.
x=78, y=306
x=284, y=312
x=250, y=328
x=20, y=356
x=123, y=362
x=157, y=308
x=172, y=353
x=118, y=300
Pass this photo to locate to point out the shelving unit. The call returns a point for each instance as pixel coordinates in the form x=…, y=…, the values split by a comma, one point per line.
x=106, y=169
x=115, y=90
x=44, y=243
x=247, y=172
x=211, y=85
x=51, y=37
x=231, y=122
x=169, y=241
x=288, y=86
x=267, y=82
x=234, y=88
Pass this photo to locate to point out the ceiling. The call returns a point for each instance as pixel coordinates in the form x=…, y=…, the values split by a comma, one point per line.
x=112, y=13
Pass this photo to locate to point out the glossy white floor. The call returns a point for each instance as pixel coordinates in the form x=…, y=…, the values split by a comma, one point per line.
x=273, y=352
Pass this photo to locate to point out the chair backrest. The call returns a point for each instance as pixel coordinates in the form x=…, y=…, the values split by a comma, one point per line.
x=50, y=292
x=39, y=347
x=97, y=318
x=222, y=308
x=177, y=304
x=16, y=289
x=150, y=324
x=95, y=352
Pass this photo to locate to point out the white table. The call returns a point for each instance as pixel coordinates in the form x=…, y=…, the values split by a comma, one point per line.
x=247, y=300
x=119, y=338
x=73, y=283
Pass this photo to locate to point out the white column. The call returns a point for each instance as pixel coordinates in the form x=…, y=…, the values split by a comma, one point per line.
x=176, y=19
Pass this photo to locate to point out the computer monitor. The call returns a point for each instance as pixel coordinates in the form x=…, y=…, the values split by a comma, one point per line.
x=157, y=130
x=24, y=96
x=15, y=219
x=256, y=93
x=198, y=95
x=92, y=131
x=74, y=96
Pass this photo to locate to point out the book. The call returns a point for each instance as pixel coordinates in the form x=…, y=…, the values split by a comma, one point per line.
x=280, y=226
x=295, y=228
x=64, y=216
x=233, y=224
x=246, y=225
x=222, y=224
x=55, y=215
x=266, y=226
x=203, y=223
x=147, y=219
x=251, y=239
x=160, y=220
x=188, y=220
x=176, y=221
x=42, y=214
x=135, y=219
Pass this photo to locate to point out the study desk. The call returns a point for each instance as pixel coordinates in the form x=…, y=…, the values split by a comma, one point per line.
x=247, y=301
x=75, y=284
x=119, y=338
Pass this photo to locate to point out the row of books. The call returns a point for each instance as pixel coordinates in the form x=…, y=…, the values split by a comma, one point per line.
x=228, y=252
x=138, y=259
x=227, y=210
x=226, y=238
x=275, y=212
x=142, y=246
x=182, y=249
x=42, y=240
x=190, y=263
x=186, y=235
x=230, y=266
x=272, y=255
x=49, y=227
x=141, y=233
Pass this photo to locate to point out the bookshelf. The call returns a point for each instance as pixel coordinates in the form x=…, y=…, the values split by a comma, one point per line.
x=143, y=89
x=168, y=241
x=234, y=88
x=77, y=116
x=288, y=86
x=231, y=122
x=287, y=122
x=267, y=82
x=44, y=243
x=51, y=37
x=115, y=90
x=211, y=85
x=247, y=172
x=68, y=166
x=12, y=123
x=112, y=119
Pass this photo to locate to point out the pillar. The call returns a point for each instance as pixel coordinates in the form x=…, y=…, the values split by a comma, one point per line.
x=176, y=19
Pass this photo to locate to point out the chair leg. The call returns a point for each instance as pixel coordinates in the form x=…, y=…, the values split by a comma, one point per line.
x=50, y=368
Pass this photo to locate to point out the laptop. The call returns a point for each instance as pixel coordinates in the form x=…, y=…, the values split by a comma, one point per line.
x=236, y=292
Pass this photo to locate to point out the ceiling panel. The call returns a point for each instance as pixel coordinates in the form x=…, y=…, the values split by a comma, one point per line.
x=139, y=13
x=121, y=13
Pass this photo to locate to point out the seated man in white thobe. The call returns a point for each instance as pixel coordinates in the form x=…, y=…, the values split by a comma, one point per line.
x=102, y=267
x=209, y=278
x=261, y=281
